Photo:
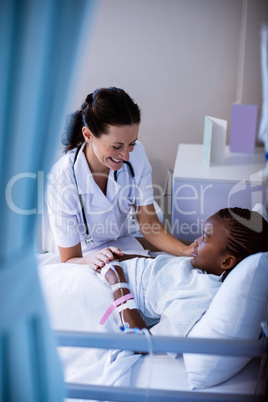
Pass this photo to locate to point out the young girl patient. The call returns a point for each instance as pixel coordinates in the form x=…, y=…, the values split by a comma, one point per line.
x=169, y=294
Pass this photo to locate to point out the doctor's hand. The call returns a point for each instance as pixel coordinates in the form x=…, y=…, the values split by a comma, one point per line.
x=188, y=250
x=97, y=259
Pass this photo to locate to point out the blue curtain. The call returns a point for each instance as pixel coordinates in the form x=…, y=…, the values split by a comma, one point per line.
x=39, y=42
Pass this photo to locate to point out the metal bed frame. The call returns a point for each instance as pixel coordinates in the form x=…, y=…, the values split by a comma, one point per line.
x=162, y=344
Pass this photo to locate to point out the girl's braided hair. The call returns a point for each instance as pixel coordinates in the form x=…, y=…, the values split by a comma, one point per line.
x=247, y=232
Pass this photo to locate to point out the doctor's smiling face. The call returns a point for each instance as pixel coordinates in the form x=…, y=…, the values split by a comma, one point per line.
x=110, y=149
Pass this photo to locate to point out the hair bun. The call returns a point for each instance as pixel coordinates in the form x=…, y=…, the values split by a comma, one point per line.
x=89, y=99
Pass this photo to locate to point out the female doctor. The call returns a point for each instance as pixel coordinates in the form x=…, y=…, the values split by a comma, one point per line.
x=103, y=176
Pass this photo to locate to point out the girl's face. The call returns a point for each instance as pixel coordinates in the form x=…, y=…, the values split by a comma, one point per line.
x=111, y=149
x=208, y=252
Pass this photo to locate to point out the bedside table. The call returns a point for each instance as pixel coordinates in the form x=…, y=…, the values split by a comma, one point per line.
x=198, y=191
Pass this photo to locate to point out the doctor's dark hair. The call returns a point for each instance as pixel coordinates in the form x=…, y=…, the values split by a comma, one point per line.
x=246, y=234
x=103, y=108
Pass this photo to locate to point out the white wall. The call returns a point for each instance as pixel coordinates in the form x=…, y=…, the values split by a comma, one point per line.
x=179, y=60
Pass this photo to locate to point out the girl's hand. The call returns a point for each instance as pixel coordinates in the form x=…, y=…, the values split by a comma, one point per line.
x=97, y=259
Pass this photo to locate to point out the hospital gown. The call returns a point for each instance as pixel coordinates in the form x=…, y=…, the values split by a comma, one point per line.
x=170, y=293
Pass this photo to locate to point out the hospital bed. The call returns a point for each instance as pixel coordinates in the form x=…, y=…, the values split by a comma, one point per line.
x=223, y=358
x=234, y=367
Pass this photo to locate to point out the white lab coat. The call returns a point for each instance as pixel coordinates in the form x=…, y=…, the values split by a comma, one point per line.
x=105, y=214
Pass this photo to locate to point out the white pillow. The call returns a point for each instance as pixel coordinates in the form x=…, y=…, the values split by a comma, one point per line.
x=235, y=313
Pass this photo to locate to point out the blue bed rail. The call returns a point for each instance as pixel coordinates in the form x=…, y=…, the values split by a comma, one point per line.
x=159, y=344
x=104, y=393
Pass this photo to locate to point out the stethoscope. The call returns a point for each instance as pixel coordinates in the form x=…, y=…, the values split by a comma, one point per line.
x=88, y=237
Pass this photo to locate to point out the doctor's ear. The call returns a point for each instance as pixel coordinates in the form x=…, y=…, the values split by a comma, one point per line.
x=87, y=134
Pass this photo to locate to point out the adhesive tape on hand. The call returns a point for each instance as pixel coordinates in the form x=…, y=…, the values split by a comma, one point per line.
x=108, y=266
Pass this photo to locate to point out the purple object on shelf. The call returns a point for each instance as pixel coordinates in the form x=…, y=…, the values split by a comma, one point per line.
x=243, y=128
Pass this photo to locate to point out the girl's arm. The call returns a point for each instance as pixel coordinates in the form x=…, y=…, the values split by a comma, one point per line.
x=130, y=316
x=125, y=257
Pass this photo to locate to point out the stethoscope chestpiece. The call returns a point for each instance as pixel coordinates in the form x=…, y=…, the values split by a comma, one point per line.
x=89, y=240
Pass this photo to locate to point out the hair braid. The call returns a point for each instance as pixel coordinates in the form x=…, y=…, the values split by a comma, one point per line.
x=247, y=231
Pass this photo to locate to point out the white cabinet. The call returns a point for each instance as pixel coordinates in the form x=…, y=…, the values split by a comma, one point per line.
x=198, y=191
